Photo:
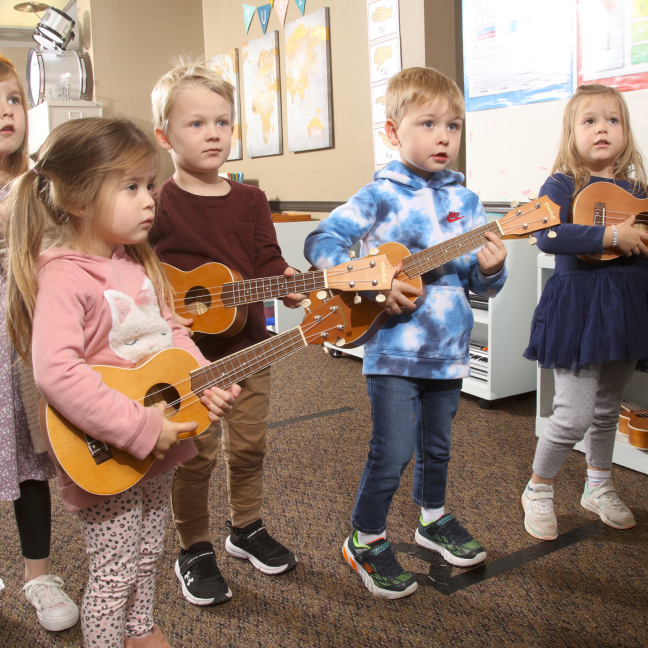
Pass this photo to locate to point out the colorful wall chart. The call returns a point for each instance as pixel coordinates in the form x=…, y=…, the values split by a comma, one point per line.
x=517, y=52
x=227, y=65
x=383, y=29
x=263, y=130
x=308, y=77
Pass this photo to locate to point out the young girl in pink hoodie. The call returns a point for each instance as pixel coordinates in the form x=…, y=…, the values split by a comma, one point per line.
x=99, y=297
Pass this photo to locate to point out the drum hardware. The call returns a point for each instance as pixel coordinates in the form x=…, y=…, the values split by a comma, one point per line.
x=56, y=75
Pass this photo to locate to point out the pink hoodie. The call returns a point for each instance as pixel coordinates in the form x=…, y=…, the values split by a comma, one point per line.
x=96, y=311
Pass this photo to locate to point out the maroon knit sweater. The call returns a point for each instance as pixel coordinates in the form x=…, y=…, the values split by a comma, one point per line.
x=235, y=230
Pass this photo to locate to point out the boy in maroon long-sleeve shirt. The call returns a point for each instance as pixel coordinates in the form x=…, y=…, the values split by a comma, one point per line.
x=201, y=218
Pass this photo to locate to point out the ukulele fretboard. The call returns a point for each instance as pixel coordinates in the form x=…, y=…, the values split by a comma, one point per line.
x=249, y=291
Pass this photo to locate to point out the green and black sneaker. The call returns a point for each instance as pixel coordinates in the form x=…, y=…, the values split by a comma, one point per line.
x=447, y=537
x=378, y=567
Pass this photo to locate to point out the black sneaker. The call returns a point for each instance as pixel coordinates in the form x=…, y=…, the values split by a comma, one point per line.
x=447, y=537
x=381, y=573
x=255, y=544
x=201, y=580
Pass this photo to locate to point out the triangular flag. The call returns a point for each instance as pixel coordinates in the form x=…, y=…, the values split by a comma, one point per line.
x=281, y=7
x=300, y=4
x=264, y=15
x=248, y=14
x=272, y=3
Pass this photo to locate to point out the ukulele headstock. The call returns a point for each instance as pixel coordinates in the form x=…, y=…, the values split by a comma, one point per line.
x=541, y=213
x=325, y=323
x=367, y=273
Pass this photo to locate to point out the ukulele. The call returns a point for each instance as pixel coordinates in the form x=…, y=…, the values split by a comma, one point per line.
x=364, y=317
x=216, y=297
x=174, y=376
x=603, y=203
x=633, y=423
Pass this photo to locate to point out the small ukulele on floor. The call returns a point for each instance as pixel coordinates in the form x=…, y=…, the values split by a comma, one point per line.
x=603, y=203
x=633, y=423
x=364, y=316
x=216, y=297
x=175, y=377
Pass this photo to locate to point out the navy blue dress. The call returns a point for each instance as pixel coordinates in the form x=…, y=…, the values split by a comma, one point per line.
x=588, y=312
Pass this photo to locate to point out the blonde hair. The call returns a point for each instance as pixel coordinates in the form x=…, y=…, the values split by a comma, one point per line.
x=19, y=159
x=191, y=74
x=415, y=86
x=79, y=167
x=628, y=164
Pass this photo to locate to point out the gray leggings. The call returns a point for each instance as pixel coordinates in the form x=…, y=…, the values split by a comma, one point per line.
x=586, y=404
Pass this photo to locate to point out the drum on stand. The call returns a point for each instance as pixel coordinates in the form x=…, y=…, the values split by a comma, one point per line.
x=56, y=75
x=54, y=31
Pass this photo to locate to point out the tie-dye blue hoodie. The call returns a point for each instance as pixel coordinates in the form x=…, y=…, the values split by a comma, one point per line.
x=400, y=206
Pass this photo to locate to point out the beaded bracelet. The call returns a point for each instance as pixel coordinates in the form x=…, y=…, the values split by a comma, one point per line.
x=615, y=240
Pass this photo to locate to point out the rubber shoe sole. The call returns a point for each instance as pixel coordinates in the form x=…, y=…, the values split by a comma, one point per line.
x=368, y=582
x=198, y=601
x=58, y=625
x=530, y=531
x=605, y=519
x=447, y=556
x=237, y=552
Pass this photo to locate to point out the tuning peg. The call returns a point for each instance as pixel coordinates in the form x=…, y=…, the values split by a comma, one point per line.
x=552, y=234
x=306, y=303
x=532, y=240
x=340, y=342
x=351, y=254
x=357, y=299
x=514, y=204
x=532, y=196
x=321, y=295
x=380, y=298
x=374, y=251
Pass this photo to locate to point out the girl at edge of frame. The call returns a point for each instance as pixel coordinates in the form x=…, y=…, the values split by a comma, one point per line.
x=99, y=296
x=590, y=323
x=25, y=469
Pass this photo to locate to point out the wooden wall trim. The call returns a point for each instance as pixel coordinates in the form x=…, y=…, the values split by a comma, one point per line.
x=278, y=206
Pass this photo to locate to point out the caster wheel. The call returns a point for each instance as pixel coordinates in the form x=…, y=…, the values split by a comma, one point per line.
x=485, y=404
x=335, y=353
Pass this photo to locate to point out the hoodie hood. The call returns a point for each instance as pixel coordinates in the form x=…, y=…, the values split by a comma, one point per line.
x=400, y=174
x=80, y=258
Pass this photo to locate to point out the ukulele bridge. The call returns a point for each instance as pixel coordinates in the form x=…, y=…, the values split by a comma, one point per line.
x=99, y=450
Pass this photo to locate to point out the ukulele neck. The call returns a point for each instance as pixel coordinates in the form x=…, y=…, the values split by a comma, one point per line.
x=435, y=256
x=250, y=291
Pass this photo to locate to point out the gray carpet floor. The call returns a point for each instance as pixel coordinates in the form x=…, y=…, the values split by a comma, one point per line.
x=592, y=593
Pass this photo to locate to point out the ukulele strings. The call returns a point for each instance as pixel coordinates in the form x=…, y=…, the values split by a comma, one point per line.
x=631, y=407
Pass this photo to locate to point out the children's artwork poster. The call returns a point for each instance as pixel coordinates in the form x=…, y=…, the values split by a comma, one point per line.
x=383, y=29
x=261, y=84
x=613, y=43
x=517, y=51
x=227, y=65
x=308, y=79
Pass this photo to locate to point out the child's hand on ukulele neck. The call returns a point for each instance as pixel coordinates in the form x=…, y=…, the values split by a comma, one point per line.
x=492, y=256
x=397, y=300
x=293, y=300
x=630, y=241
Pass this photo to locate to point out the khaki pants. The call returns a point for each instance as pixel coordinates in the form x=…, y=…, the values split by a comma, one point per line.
x=244, y=447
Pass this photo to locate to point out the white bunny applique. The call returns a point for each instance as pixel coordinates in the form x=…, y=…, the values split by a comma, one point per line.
x=138, y=329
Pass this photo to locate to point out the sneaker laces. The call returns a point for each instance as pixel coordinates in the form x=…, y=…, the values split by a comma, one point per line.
x=385, y=562
x=542, y=505
x=266, y=543
x=46, y=592
x=612, y=500
x=454, y=531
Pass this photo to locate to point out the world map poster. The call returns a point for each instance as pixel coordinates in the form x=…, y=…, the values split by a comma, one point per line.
x=262, y=91
x=308, y=76
x=227, y=66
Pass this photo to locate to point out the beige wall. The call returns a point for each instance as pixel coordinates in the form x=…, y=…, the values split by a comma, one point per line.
x=131, y=44
x=18, y=56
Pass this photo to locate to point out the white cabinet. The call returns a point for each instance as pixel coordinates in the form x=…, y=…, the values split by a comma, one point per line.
x=504, y=328
x=45, y=117
x=637, y=392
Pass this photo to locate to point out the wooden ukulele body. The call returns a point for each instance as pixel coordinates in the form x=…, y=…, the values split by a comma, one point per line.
x=163, y=376
x=199, y=297
x=603, y=203
x=634, y=425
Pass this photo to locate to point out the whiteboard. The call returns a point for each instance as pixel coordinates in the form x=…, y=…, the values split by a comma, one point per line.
x=510, y=151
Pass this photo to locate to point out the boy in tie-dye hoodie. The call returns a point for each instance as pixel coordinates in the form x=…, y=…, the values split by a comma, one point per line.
x=415, y=363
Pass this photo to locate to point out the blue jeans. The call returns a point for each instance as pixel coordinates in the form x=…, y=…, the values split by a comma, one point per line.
x=410, y=416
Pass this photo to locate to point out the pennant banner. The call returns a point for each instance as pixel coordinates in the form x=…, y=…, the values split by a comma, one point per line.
x=300, y=4
x=248, y=14
x=281, y=7
x=264, y=16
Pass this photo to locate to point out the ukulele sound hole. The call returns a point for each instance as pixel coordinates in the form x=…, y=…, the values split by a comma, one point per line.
x=197, y=300
x=163, y=392
x=641, y=222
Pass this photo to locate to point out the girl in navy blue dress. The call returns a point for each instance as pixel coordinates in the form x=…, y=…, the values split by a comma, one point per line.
x=590, y=324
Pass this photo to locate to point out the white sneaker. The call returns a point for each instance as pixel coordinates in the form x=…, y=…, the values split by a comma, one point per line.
x=604, y=501
x=56, y=611
x=539, y=517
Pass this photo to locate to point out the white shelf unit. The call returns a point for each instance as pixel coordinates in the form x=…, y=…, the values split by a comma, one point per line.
x=637, y=392
x=505, y=329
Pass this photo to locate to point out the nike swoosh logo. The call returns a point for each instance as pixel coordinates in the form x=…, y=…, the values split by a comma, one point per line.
x=452, y=219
